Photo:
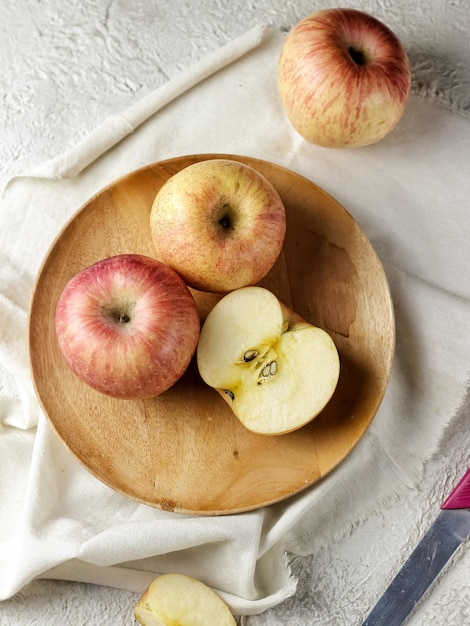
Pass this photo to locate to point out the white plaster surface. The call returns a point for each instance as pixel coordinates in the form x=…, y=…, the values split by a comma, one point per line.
x=65, y=66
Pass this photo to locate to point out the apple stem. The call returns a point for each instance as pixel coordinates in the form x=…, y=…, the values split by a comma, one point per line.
x=226, y=217
x=357, y=56
x=224, y=222
x=118, y=314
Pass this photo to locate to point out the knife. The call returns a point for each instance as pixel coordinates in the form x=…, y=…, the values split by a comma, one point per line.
x=434, y=551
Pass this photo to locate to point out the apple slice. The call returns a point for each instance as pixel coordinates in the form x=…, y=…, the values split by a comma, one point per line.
x=274, y=369
x=180, y=600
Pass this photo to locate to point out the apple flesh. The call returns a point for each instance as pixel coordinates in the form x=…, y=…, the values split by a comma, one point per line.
x=344, y=78
x=275, y=370
x=179, y=600
x=219, y=223
x=127, y=326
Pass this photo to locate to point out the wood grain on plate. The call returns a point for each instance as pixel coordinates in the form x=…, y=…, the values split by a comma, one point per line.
x=184, y=451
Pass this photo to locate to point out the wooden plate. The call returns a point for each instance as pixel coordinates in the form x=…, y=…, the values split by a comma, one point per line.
x=184, y=451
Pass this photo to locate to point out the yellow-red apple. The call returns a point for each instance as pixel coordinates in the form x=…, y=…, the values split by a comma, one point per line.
x=219, y=223
x=344, y=78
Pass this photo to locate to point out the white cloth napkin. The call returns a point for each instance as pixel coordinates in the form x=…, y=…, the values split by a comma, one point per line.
x=409, y=193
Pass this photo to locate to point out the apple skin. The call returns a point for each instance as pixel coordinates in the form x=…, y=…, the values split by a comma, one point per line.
x=343, y=78
x=127, y=326
x=219, y=223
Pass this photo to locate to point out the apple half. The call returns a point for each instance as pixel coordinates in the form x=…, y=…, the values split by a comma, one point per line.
x=180, y=600
x=274, y=369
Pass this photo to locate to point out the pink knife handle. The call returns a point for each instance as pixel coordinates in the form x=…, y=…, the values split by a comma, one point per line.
x=459, y=498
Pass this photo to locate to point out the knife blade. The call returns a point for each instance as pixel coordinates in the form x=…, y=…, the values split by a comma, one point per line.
x=434, y=551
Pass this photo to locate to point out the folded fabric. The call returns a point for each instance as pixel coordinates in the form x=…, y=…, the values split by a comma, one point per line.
x=409, y=193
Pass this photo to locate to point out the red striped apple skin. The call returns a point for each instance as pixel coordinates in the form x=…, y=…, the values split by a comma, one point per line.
x=344, y=78
x=127, y=326
x=219, y=223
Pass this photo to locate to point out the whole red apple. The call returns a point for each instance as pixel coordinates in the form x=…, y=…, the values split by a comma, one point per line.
x=344, y=78
x=219, y=223
x=127, y=326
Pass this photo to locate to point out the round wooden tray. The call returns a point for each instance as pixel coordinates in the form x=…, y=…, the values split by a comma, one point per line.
x=184, y=451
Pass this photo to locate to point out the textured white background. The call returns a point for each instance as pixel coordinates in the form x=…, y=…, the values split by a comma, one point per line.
x=68, y=64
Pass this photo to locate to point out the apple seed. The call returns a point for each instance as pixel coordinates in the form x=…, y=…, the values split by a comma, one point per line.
x=268, y=371
x=250, y=355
